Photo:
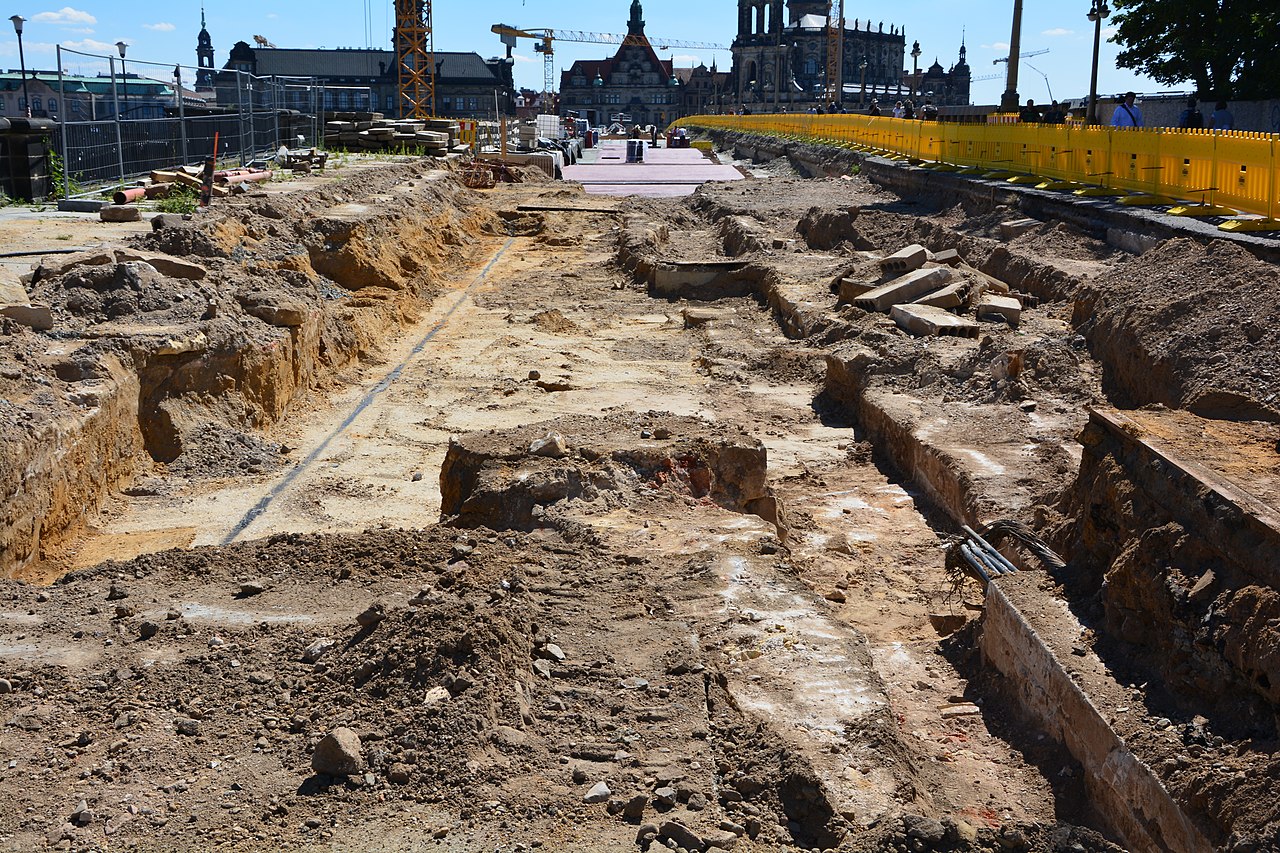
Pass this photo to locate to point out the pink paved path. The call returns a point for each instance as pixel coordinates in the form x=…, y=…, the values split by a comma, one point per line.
x=664, y=172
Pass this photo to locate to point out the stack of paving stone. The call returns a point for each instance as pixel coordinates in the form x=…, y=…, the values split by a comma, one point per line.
x=434, y=137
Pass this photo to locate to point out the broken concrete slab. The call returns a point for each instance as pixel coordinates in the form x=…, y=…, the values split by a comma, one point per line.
x=701, y=280
x=120, y=213
x=929, y=321
x=38, y=317
x=852, y=288
x=164, y=264
x=911, y=286
x=947, y=257
x=1016, y=227
x=951, y=296
x=695, y=317
x=905, y=260
x=1005, y=307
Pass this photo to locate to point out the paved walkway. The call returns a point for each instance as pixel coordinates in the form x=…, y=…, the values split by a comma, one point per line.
x=664, y=172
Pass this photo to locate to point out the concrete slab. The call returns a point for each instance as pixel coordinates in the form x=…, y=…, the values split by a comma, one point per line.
x=905, y=260
x=929, y=321
x=947, y=257
x=665, y=172
x=852, y=288
x=1005, y=307
x=911, y=286
x=701, y=280
x=1015, y=227
x=81, y=205
x=951, y=296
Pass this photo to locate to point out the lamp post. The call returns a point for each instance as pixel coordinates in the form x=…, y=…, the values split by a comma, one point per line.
x=862, y=82
x=915, y=68
x=18, y=20
x=124, y=81
x=1098, y=11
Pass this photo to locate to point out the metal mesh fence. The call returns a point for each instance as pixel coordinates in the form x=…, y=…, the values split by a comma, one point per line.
x=135, y=119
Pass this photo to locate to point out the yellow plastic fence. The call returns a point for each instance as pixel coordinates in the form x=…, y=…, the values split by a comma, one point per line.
x=1232, y=168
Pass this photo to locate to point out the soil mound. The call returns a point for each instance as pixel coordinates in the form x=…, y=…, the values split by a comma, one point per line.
x=1192, y=326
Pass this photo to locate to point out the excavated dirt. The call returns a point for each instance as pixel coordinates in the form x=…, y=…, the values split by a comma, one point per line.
x=682, y=581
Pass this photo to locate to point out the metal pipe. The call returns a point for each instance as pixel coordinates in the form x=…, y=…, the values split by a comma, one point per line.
x=973, y=560
x=247, y=177
x=126, y=196
x=115, y=96
x=182, y=111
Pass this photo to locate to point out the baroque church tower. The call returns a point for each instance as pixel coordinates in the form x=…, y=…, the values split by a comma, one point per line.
x=204, y=57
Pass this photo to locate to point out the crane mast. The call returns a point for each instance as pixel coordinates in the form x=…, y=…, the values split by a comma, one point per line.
x=415, y=58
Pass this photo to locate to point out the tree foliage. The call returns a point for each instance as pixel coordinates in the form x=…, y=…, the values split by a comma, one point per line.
x=1228, y=48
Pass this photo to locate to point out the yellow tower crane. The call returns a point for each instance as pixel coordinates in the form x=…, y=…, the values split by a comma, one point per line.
x=546, y=38
x=415, y=58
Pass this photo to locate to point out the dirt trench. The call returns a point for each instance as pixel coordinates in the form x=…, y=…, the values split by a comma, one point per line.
x=681, y=581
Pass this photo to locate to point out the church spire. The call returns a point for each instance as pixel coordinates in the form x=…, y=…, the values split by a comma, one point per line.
x=635, y=26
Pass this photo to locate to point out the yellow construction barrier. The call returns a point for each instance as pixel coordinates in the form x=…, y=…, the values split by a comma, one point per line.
x=1200, y=172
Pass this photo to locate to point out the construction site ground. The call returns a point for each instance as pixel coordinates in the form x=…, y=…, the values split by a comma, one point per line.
x=402, y=516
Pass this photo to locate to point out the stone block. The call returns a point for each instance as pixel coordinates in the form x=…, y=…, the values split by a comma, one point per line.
x=1016, y=227
x=905, y=260
x=164, y=264
x=929, y=321
x=911, y=286
x=120, y=213
x=1005, y=307
x=38, y=317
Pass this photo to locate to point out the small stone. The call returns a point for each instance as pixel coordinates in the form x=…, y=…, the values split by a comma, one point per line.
x=120, y=213
x=83, y=815
x=124, y=611
x=552, y=445
x=338, y=754
x=735, y=828
x=372, y=615
x=116, y=592
x=924, y=828
x=42, y=597
x=681, y=835
x=720, y=840
x=665, y=795
x=317, y=649
x=554, y=651
x=260, y=678
x=966, y=832
x=399, y=774
x=148, y=629
x=646, y=833
x=634, y=809
x=187, y=726
x=634, y=683
x=417, y=477
x=254, y=587
x=535, y=374
x=697, y=801
x=598, y=794
x=5, y=686
x=579, y=776
x=542, y=667
x=173, y=614
x=836, y=595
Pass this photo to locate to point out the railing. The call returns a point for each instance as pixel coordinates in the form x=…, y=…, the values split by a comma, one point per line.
x=1206, y=168
x=130, y=130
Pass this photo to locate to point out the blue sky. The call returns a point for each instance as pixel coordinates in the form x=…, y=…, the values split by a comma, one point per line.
x=165, y=33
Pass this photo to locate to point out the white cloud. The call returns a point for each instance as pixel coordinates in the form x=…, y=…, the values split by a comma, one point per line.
x=66, y=15
x=518, y=58
x=1058, y=31
x=162, y=27
x=271, y=16
x=999, y=45
x=1108, y=32
x=90, y=45
x=686, y=60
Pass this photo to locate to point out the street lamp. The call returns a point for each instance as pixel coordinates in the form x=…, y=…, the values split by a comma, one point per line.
x=915, y=68
x=22, y=62
x=124, y=79
x=1097, y=12
x=862, y=82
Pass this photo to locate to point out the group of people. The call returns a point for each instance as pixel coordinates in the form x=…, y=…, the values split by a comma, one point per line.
x=1128, y=114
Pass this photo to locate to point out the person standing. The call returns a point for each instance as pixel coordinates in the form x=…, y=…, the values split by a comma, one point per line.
x=1191, y=117
x=1029, y=114
x=1222, y=118
x=874, y=109
x=1127, y=113
x=928, y=112
x=897, y=110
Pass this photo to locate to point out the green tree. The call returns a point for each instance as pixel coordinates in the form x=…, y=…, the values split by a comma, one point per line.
x=1228, y=48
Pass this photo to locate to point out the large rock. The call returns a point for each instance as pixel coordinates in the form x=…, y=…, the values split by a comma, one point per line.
x=338, y=754
x=121, y=213
x=165, y=264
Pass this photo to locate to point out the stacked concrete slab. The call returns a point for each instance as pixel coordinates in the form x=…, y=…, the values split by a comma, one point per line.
x=372, y=132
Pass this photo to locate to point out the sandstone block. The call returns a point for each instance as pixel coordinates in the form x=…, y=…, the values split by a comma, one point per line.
x=911, y=286
x=120, y=213
x=338, y=754
x=1004, y=307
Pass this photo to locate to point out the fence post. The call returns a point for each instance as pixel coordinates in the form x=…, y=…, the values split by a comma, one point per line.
x=66, y=116
x=182, y=111
x=115, y=99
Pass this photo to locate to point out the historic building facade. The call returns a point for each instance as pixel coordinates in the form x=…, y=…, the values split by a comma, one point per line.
x=780, y=59
x=634, y=82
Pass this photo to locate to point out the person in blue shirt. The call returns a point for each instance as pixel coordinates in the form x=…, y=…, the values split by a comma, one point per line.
x=1127, y=113
x=1222, y=118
